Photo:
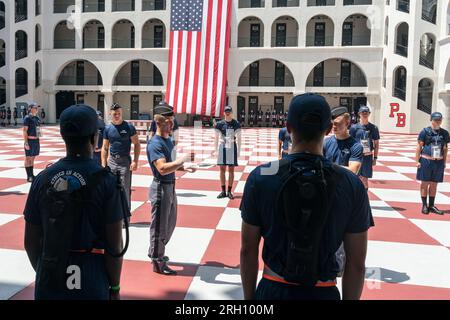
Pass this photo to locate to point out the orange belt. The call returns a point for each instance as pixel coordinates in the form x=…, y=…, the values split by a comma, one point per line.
x=430, y=158
x=93, y=251
x=270, y=275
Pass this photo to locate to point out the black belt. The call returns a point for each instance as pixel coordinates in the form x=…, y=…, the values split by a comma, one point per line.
x=163, y=182
x=118, y=156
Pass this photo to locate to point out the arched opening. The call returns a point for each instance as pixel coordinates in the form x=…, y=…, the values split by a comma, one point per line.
x=285, y=32
x=356, y=31
x=37, y=38
x=37, y=7
x=93, y=5
x=2, y=91
x=399, y=85
x=38, y=73
x=123, y=5
x=80, y=73
x=403, y=5
x=151, y=5
x=123, y=34
x=429, y=10
x=320, y=31
x=139, y=73
x=154, y=34
x=64, y=36
x=93, y=35
x=427, y=50
x=386, y=31
x=384, y=72
x=2, y=15
x=266, y=73
x=21, y=82
x=21, y=45
x=251, y=32
x=336, y=73
x=21, y=9
x=401, y=43
x=63, y=6
x=425, y=95
x=2, y=53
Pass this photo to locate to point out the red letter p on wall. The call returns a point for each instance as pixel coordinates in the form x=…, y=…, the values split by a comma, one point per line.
x=395, y=107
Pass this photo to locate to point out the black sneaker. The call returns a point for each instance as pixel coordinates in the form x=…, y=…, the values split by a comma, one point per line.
x=230, y=195
x=436, y=211
x=30, y=179
x=222, y=195
x=161, y=267
x=425, y=210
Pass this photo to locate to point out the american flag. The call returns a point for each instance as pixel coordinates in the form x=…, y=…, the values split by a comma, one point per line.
x=198, y=56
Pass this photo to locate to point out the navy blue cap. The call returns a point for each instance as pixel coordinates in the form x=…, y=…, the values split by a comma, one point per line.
x=364, y=109
x=436, y=116
x=228, y=109
x=79, y=121
x=164, y=109
x=99, y=113
x=304, y=108
x=337, y=112
x=116, y=106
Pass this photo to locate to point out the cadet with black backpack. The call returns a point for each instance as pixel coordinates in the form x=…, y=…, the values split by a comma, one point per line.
x=74, y=216
x=301, y=237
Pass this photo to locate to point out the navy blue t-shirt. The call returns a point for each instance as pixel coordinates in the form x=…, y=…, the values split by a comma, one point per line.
x=160, y=148
x=350, y=213
x=101, y=131
x=32, y=123
x=341, y=152
x=429, y=137
x=119, y=137
x=369, y=131
x=228, y=130
x=104, y=207
x=285, y=137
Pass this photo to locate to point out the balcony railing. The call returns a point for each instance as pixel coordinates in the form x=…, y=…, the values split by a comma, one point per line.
x=248, y=42
x=151, y=43
x=74, y=81
x=20, y=17
x=400, y=93
x=151, y=5
x=267, y=82
x=285, y=3
x=93, y=44
x=64, y=44
x=338, y=82
x=251, y=4
x=123, y=43
x=357, y=2
x=424, y=107
x=21, y=53
x=317, y=3
x=357, y=41
x=403, y=5
x=424, y=61
x=141, y=81
x=312, y=41
x=63, y=7
x=290, y=41
x=125, y=5
x=401, y=50
x=429, y=16
x=21, y=90
x=93, y=6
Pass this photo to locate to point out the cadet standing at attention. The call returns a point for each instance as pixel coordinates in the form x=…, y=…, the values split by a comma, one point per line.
x=117, y=140
x=431, y=159
x=31, y=135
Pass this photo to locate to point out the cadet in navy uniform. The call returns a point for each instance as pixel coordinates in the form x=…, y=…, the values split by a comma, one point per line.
x=267, y=118
x=342, y=149
x=15, y=116
x=101, y=129
x=252, y=118
x=8, y=115
x=117, y=140
x=431, y=159
x=260, y=117
x=243, y=117
x=284, y=143
x=309, y=121
x=43, y=115
x=369, y=137
x=228, y=131
x=101, y=224
x=31, y=135
x=2, y=116
x=162, y=190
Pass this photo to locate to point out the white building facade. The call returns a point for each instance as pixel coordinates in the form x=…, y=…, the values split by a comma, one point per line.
x=391, y=55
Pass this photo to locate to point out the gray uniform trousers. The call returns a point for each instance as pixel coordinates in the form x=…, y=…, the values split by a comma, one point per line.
x=164, y=217
x=122, y=165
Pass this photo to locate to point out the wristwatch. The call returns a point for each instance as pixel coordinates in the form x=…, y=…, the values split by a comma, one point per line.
x=115, y=289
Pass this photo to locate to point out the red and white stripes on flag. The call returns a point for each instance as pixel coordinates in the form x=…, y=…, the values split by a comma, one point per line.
x=198, y=56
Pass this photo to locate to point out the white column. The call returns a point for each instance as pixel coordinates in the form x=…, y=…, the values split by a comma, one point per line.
x=77, y=24
x=109, y=100
x=51, y=110
x=374, y=102
x=443, y=107
x=232, y=101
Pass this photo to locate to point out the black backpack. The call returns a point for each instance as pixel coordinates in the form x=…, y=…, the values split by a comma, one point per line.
x=59, y=222
x=304, y=202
